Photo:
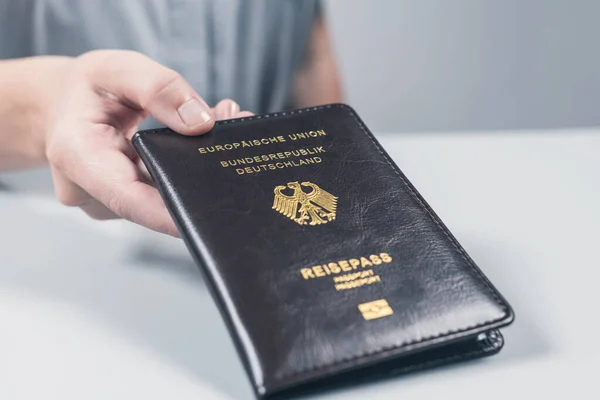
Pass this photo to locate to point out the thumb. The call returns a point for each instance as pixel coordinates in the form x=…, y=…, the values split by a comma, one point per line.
x=141, y=83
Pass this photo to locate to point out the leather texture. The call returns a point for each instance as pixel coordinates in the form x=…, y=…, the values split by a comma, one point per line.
x=295, y=333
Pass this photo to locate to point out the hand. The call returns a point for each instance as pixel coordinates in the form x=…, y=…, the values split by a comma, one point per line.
x=103, y=96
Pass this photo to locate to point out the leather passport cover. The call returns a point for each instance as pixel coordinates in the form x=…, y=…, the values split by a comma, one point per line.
x=326, y=263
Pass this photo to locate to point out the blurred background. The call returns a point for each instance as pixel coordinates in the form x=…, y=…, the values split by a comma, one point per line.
x=406, y=66
x=438, y=65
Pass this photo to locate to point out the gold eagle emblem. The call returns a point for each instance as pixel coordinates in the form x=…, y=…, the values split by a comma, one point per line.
x=313, y=208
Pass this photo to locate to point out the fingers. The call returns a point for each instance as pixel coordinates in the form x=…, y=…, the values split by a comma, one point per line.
x=243, y=114
x=70, y=194
x=114, y=180
x=105, y=182
x=140, y=83
x=226, y=109
x=97, y=210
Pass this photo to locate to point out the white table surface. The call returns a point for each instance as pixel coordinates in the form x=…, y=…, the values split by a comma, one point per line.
x=92, y=310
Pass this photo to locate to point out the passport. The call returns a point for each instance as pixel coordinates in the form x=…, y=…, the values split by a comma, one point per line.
x=328, y=266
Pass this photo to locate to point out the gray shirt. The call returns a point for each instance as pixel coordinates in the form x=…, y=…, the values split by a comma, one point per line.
x=247, y=50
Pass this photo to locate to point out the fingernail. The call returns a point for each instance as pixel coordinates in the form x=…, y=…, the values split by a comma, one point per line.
x=194, y=112
x=235, y=108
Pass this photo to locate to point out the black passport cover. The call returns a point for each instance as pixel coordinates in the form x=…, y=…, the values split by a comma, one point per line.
x=326, y=263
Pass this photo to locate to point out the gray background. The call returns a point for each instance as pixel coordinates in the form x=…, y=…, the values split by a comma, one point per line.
x=430, y=65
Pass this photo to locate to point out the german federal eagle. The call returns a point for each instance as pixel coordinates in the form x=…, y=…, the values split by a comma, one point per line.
x=313, y=208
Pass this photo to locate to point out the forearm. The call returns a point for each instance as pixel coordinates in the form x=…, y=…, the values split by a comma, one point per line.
x=318, y=81
x=27, y=86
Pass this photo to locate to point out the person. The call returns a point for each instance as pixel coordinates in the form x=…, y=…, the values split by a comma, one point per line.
x=79, y=78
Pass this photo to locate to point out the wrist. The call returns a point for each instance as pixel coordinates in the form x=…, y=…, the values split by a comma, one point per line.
x=31, y=86
x=43, y=93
